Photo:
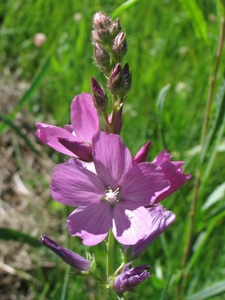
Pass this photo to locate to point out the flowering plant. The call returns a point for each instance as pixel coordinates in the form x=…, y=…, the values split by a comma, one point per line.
x=114, y=194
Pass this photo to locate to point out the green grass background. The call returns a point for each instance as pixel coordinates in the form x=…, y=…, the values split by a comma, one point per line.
x=168, y=43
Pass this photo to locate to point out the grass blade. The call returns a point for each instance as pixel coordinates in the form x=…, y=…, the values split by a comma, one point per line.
x=196, y=17
x=117, y=12
x=211, y=291
x=18, y=236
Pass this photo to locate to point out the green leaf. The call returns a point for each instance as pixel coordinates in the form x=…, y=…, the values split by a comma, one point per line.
x=215, y=133
x=27, y=95
x=18, y=236
x=117, y=12
x=211, y=291
x=215, y=196
x=196, y=17
x=160, y=104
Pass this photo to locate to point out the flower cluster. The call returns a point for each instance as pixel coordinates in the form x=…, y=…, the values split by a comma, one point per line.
x=110, y=190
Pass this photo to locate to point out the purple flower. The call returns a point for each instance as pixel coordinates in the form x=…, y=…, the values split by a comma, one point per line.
x=113, y=197
x=173, y=172
x=159, y=220
x=73, y=140
x=73, y=259
x=130, y=277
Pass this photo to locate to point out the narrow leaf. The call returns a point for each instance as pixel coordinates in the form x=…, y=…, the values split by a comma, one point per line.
x=211, y=291
x=215, y=196
x=196, y=17
x=117, y=12
x=18, y=236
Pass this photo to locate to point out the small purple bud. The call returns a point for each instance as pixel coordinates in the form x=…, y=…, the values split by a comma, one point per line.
x=130, y=277
x=99, y=96
x=119, y=47
x=73, y=259
x=101, y=20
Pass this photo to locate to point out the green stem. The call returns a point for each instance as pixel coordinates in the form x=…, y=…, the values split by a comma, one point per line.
x=110, y=254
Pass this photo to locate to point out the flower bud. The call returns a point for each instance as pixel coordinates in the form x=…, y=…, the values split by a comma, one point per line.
x=99, y=96
x=119, y=82
x=102, y=57
x=130, y=277
x=119, y=47
x=142, y=154
x=115, y=27
x=73, y=259
x=101, y=20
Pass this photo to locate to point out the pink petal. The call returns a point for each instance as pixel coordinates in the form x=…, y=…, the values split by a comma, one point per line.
x=49, y=135
x=91, y=223
x=84, y=117
x=111, y=158
x=129, y=226
x=74, y=185
x=173, y=172
x=159, y=220
x=143, y=184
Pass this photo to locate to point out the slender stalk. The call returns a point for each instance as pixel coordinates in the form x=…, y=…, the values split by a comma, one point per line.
x=192, y=214
x=110, y=255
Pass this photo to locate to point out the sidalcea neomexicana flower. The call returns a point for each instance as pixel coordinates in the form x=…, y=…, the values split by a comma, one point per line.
x=75, y=139
x=113, y=197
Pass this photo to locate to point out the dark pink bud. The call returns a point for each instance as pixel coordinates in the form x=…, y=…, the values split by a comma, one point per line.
x=119, y=82
x=130, y=277
x=142, y=154
x=99, y=96
x=73, y=259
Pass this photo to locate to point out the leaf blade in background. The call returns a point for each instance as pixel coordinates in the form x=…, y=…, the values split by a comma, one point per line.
x=18, y=236
x=211, y=291
x=119, y=10
x=197, y=19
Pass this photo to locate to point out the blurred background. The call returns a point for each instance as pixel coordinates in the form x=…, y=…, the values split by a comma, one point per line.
x=46, y=59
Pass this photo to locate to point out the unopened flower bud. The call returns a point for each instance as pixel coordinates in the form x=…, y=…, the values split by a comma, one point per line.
x=119, y=47
x=142, y=154
x=119, y=82
x=99, y=96
x=130, y=277
x=115, y=27
x=73, y=259
x=102, y=57
x=101, y=20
